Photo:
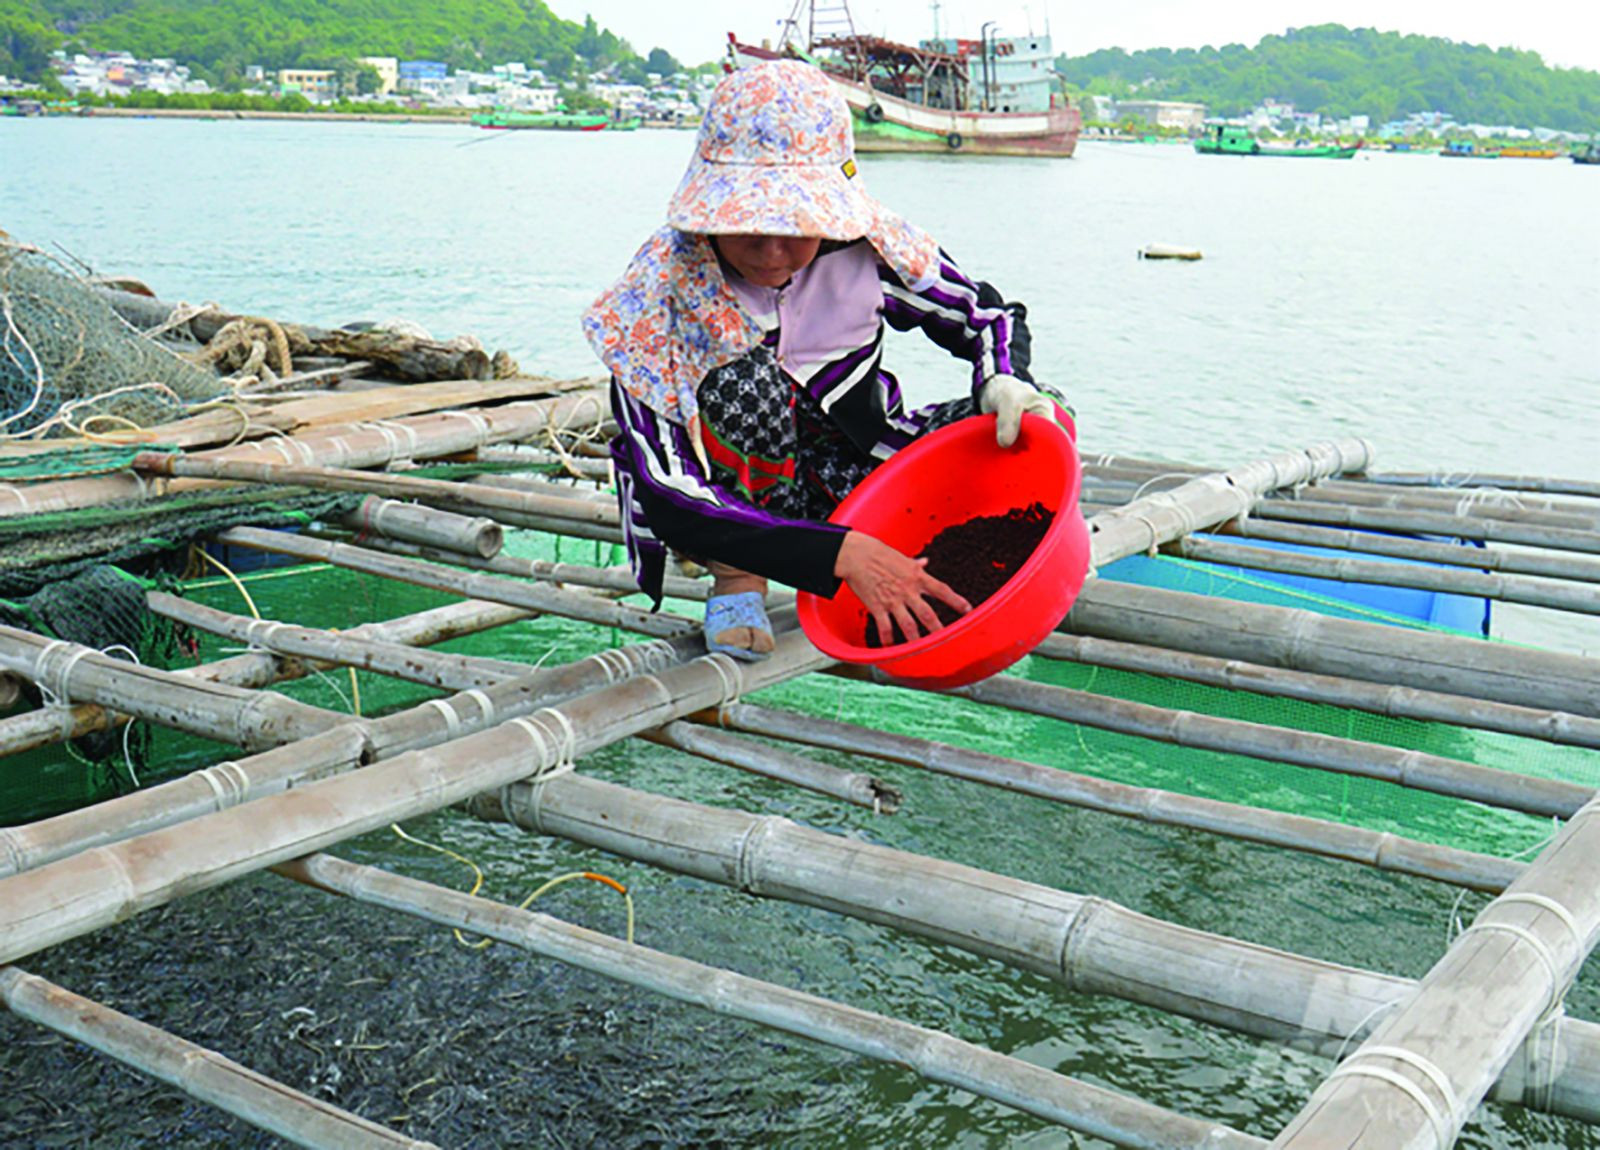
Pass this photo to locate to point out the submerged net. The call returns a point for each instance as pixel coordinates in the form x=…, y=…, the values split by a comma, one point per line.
x=69, y=365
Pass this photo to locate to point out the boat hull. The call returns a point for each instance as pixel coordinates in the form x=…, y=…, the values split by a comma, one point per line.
x=885, y=123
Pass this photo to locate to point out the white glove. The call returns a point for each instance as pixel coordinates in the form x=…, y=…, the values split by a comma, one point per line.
x=1006, y=397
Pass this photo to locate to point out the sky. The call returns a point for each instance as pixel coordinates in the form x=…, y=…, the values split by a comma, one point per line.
x=1565, y=32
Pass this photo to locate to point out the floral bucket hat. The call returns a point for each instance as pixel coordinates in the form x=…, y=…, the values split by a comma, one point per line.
x=775, y=155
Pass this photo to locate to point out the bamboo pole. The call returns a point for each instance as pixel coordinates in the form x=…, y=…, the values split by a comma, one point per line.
x=1380, y=850
x=1089, y=945
x=1304, y=641
x=1357, y=490
x=1480, y=585
x=1457, y=480
x=1393, y=701
x=478, y=497
x=71, y=896
x=430, y=526
x=936, y=1056
x=1479, y=501
x=344, y=648
x=68, y=671
x=1416, y=1080
x=1476, y=527
x=535, y=597
x=1209, y=499
x=1416, y=769
x=596, y=470
x=198, y=1072
x=1552, y=566
x=611, y=580
x=851, y=786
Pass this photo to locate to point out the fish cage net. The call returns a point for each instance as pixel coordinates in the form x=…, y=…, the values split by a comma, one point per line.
x=69, y=365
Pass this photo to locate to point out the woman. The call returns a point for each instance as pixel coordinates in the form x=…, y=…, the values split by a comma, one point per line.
x=744, y=342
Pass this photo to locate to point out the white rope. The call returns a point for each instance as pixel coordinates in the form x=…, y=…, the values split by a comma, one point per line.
x=1371, y=1015
x=1441, y=1125
x=478, y=422
x=391, y=442
x=408, y=431
x=228, y=783
x=452, y=721
x=732, y=679
x=56, y=694
x=260, y=644
x=1540, y=950
x=484, y=703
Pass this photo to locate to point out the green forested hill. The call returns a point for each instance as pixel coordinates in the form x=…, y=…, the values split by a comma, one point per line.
x=222, y=36
x=1342, y=71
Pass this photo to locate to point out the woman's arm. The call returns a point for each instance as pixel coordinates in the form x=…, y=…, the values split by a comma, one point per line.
x=968, y=318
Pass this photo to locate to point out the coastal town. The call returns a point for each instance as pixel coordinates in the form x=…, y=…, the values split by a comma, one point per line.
x=672, y=97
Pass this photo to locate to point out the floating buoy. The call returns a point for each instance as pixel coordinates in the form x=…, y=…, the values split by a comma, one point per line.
x=1168, y=252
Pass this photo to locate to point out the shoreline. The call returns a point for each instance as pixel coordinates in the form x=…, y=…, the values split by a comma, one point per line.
x=242, y=114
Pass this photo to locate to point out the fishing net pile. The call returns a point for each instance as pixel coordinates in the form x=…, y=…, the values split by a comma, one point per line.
x=69, y=365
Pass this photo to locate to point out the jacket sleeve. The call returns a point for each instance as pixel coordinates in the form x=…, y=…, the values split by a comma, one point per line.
x=667, y=502
x=968, y=318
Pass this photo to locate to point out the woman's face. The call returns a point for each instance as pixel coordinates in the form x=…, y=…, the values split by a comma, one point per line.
x=767, y=261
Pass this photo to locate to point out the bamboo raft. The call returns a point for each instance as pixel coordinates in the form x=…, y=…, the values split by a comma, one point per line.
x=1408, y=1063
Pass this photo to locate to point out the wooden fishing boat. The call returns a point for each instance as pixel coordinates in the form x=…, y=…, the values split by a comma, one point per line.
x=1229, y=140
x=993, y=96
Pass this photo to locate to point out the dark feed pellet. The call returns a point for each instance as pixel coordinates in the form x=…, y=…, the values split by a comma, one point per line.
x=977, y=558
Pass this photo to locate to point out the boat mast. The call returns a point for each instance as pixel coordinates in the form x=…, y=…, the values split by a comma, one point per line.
x=819, y=21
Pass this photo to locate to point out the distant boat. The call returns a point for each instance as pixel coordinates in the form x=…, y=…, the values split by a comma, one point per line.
x=1530, y=153
x=1588, y=155
x=554, y=121
x=1466, y=150
x=1228, y=140
x=992, y=96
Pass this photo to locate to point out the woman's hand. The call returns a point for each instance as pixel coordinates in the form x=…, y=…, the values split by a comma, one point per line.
x=893, y=586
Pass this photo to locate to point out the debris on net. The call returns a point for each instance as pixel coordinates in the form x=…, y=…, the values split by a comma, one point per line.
x=69, y=365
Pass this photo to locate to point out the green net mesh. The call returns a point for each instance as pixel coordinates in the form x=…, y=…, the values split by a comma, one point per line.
x=69, y=364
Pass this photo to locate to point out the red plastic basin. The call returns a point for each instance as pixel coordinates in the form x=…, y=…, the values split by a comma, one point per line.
x=955, y=474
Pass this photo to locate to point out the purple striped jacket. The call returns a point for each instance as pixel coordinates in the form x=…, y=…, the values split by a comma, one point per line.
x=828, y=325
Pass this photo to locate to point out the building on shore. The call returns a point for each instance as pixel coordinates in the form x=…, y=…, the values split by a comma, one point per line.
x=388, y=69
x=319, y=85
x=1164, y=113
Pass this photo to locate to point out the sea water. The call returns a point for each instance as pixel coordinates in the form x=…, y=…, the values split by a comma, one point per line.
x=1443, y=311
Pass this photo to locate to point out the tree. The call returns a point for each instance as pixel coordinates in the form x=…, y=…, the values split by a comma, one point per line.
x=661, y=62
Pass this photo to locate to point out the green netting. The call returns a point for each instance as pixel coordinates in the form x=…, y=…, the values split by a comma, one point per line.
x=71, y=463
x=69, y=364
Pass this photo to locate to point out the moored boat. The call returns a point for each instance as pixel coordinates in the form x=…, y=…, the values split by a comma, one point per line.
x=556, y=121
x=1229, y=140
x=1530, y=153
x=1466, y=150
x=1589, y=154
x=990, y=96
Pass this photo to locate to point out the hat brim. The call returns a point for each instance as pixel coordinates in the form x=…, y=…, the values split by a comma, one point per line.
x=771, y=200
